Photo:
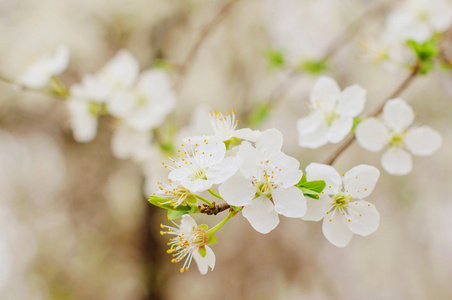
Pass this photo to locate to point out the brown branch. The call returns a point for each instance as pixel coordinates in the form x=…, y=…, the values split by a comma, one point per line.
x=204, y=34
x=414, y=72
x=217, y=208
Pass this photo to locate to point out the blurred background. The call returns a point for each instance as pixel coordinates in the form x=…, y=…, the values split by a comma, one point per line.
x=75, y=222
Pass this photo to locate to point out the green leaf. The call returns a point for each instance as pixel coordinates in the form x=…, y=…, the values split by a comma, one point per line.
x=157, y=201
x=425, y=52
x=202, y=251
x=302, y=180
x=174, y=214
x=313, y=196
x=211, y=239
x=259, y=114
x=315, y=185
x=275, y=58
x=314, y=67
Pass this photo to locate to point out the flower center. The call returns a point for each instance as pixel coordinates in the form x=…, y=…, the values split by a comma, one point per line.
x=97, y=109
x=330, y=117
x=341, y=200
x=142, y=101
x=396, y=140
x=264, y=188
x=198, y=174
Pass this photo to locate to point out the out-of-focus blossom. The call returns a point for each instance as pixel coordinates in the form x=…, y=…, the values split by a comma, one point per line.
x=340, y=205
x=265, y=183
x=147, y=104
x=332, y=113
x=127, y=142
x=401, y=139
x=190, y=242
x=39, y=74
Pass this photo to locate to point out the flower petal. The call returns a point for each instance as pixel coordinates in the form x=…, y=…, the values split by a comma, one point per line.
x=269, y=141
x=250, y=159
x=126, y=142
x=325, y=94
x=397, y=161
x=351, y=101
x=289, y=202
x=245, y=134
x=261, y=214
x=422, y=140
x=310, y=123
x=397, y=115
x=121, y=71
x=364, y=217
x=360, y=181
x=339, y=129
x=197, y=185
x=84, y=124
x=371, y=134
x=187, y=223
x=237, y=190
x=317, y=209
x=314, y=139
x=336, y=231
x=333, y=180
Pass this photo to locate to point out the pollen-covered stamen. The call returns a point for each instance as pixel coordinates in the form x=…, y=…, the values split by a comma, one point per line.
x=185, y=243
x=396, y=140
x=224, y=125
x=341, y=200
x=267, y=179
x=177, y=195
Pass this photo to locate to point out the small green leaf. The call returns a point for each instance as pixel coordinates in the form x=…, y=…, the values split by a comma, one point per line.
x=314, y=67
x=275, y=58
x=174, y=214
x=211, y=239
x=231, y=143
x=315, y=185
x=302, y=180
x=356, y=121
x=313, y=196
x=202, y=251
x=157, y=201
x=191, y=199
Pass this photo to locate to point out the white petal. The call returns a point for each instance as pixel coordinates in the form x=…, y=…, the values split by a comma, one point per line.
x=364, y=217
x=336, y=231
x=60, y=60
x=270, y=141
x=351, y=101
x=178, y=175
x=197, y=185
x=121, y=71
x=397, y=161
x=289, y=202
x=187, y=223
x=121, y=104
x=245, y=134
x=261, y=214
x=333, y=180
x=205, y=262
x=210, y=257
x=397, y=115
x=371, y=134
x=250, y=159
x=314, y=139
x=310, y=123
x=289, y=174
x=360, y=181
x=84, y=124
x=325, y=94
x=339, y=129
x=221, y=171
x=237, y=190
x=422, y=140
x=317, y=209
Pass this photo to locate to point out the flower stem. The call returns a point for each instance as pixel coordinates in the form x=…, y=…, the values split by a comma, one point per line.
x=219, y=225
x=205, y=200
x=215, y=194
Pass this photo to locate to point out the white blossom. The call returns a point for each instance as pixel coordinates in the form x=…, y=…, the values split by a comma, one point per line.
x=224, y=127
x=265, y=183
x=199, y=165
x=332, y=113
x=146, y=105
x=39, y=73
x=189, y=240
x=127, y=142
x=340, y=205
x=396, y=134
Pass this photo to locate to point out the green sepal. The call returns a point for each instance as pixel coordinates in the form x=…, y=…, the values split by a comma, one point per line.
x=211, y=239
x=203, y=227
x=314, y=67
x=356, y=121
x=275, y=59
x=167, y=147
x=425, y=53
x=259, y=114
x=175, y=214
x=232, y=142
x=202, y=251
x=191, y=199
x=236, y=208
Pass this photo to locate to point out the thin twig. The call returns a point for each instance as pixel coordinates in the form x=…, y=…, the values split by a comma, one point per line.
x=215, y=209
x=415, y=71
x=204, y=34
